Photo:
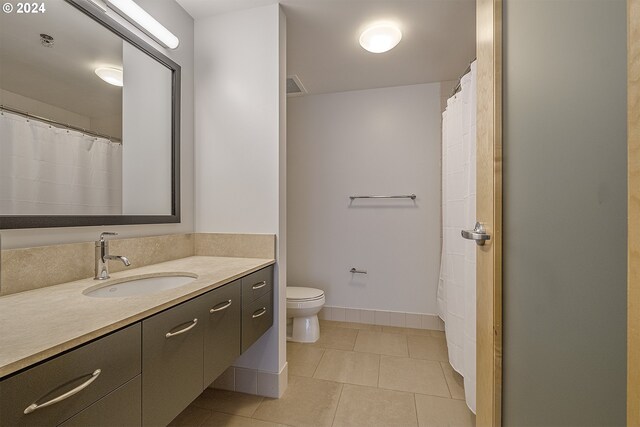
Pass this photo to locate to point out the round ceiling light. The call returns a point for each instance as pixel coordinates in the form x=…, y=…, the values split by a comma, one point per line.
x=380, y=37
x=110, y=75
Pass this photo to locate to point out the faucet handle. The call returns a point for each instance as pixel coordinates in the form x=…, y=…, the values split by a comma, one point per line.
x=107, y=233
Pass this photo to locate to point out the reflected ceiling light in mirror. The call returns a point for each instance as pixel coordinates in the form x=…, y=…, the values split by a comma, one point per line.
x=380, y=37
x=140, y=18
x=111, y=75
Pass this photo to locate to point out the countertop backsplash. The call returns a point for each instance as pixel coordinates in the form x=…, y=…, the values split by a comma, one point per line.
x=38, y=267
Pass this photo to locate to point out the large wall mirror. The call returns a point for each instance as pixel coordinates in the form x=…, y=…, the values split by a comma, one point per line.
x=89, y=121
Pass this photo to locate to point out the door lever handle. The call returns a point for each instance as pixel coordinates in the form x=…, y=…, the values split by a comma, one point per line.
x=479, y=234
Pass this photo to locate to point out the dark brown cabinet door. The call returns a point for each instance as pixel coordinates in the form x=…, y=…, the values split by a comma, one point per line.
x=257, y=318
x=257, y=284
x=222, y=329
x=172, y=361
x=120, y=408
x=59, y=388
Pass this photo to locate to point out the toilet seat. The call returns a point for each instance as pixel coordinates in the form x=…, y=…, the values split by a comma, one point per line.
x=302, y=294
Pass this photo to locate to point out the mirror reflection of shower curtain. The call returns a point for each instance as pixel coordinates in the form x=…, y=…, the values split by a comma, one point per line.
x=45, y=170
x=457, y=285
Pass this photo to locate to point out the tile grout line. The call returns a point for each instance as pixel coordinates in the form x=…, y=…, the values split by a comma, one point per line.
x=337, y=405
x=445, y=380
x=258, y=405
x=415, y=405
x=324, y=351
x=379, y=368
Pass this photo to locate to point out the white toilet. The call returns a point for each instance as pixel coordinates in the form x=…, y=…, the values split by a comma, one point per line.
x=303, y=306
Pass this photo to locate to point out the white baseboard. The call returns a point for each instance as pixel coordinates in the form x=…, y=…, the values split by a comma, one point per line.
x=382, y=317
x=253, y=381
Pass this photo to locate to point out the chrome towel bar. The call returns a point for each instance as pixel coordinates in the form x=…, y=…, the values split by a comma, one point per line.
x=405, y=196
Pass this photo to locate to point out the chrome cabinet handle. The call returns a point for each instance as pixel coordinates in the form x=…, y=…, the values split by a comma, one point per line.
x=221, y=306
x=182, y=331
x=259, y=285
x=34, y=406
x=479, y=234
x=259, y=312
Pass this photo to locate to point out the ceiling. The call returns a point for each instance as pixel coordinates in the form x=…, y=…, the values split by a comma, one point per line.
x=62, y=75
x=322, y=40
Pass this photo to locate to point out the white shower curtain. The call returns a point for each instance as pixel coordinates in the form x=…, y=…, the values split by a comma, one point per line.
x=45, y=170
x=457, y=286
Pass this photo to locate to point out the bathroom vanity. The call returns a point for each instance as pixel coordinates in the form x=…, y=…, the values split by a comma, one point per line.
x=129, y=361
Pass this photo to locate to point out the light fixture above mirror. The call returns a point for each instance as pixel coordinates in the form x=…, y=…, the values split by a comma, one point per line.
x=130, y=10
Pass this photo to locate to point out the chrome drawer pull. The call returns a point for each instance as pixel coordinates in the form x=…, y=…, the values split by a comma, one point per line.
x=34, y=406
x=259, y=285
x=182, y=331
x=259, y=312
x=220, y=307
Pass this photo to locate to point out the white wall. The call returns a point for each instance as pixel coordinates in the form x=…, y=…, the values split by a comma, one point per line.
x=381, y=141
x=240, y=141
x=171, y=15
x=146, y=130
x=43, y=109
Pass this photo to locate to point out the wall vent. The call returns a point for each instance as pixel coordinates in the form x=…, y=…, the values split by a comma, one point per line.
x=294, y=86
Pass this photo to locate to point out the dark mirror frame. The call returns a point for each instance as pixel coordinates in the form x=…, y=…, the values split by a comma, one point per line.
x=46, y=221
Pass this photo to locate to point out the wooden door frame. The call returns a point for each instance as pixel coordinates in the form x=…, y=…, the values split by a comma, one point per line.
x=489, y=211
x=633, y=230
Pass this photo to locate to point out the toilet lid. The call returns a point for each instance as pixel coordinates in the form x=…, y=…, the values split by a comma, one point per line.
x=303, y=294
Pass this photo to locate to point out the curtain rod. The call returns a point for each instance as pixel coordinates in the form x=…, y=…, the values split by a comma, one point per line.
x=58, y=124
x=458, y=87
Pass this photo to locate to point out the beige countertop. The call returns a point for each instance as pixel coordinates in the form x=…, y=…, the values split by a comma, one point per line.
x=41, y=323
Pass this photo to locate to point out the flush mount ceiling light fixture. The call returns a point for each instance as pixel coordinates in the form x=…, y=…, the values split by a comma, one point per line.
x=380, y=37
x=111, y=75
x=129, y=10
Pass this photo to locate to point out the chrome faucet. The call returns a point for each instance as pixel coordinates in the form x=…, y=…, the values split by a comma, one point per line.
x=102, y=257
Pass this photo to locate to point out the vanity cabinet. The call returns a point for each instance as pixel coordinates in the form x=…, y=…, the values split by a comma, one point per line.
x=223, y=329
x=56, y=390
x=172, y=361
x=146, y=373
x=257, y=305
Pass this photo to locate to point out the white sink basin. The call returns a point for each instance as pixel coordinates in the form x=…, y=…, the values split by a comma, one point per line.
x=145, y=285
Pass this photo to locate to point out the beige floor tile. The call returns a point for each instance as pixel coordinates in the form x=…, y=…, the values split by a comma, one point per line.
x=437, y=334
x=349, y=367
x=406, y=331
x=454, y=381
x=430, y=348
x=307, y=402
x=219, y=419
x=349, y=325
x=229, y=402
x=303, y=359
x=373, y=407
x=382, y=343
x=438, y=412
x=337, y=338
x=191, y=417
x=412, y=375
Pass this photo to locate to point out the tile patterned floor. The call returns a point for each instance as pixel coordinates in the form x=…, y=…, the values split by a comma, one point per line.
x=356, y=375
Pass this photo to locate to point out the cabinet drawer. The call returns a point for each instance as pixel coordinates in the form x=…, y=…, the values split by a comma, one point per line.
x=257, y=317
x=121, y=407
x=222, y=330
x=257, y=284
x=172, y=361
x=85, y=374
